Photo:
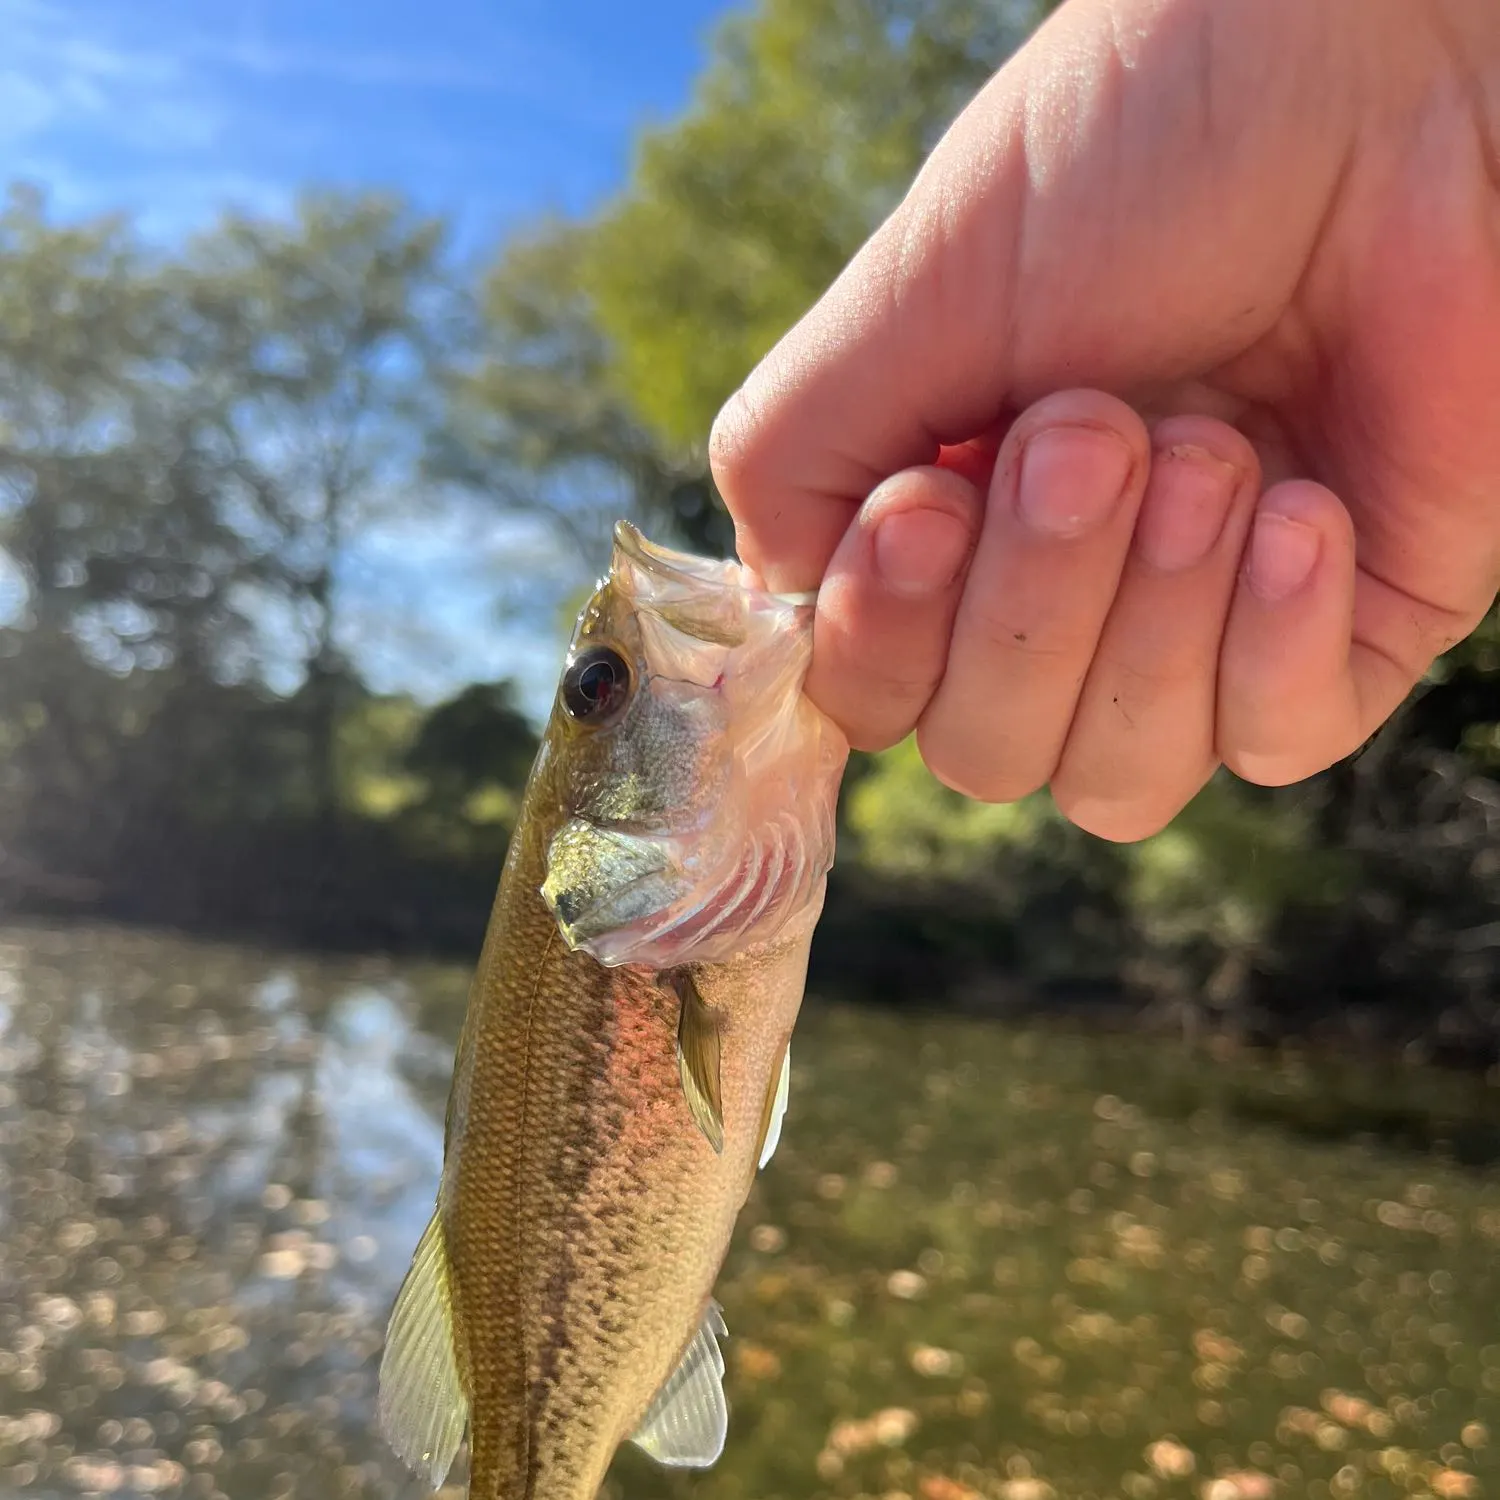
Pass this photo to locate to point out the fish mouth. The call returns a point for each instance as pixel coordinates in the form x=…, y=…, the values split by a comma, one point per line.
x=707, y=600
x=602, y=879
x=609, y=888
x=686, y=568
x=669, y=566
x=720, y=832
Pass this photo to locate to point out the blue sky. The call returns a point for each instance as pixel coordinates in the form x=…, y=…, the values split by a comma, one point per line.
x=489, y=111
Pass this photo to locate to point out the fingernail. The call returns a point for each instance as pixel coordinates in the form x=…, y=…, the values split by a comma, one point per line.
x=1183, y=512
x=920, y=552
x=1071, y=478
x=1283, y=553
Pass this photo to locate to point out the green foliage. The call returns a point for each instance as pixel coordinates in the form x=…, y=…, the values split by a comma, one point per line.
x=1208, y=890
x=318, y=344
x=979, y=870
x=471, y=756
x=372, y=741
x=480, y=731
x=907, y=824
x=189, y=444
x=1227, y=866
x=613, y=342
x=1469, y=672
x=807, y=126
x=107, y=503
x=538, y=423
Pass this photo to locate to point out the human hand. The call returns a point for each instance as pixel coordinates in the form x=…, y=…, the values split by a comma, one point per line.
x=1271, y=229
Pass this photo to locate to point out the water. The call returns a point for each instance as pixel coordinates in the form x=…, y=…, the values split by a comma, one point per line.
x=1014, y=1263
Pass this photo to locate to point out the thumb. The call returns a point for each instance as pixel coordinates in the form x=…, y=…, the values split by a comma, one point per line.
x=1133, y=199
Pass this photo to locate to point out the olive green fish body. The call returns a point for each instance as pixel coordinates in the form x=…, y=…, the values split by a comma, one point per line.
x=623, y=1059
x=585, y=1213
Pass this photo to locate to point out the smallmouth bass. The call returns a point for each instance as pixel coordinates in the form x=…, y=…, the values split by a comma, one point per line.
x=623, y=1066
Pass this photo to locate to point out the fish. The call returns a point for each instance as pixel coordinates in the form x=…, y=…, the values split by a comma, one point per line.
x=623, y=1068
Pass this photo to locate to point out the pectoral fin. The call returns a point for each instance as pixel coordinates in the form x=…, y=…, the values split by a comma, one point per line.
x=686, y=1423
x=698, y=1060
x=775, y=1109
x=423, y=1410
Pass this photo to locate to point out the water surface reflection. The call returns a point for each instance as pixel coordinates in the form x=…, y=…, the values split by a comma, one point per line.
x=215, y=1167
x=986, y=1262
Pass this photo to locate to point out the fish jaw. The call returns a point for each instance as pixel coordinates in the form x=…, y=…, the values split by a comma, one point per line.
x=661, y=902
x=601, y=880
x=702, y=824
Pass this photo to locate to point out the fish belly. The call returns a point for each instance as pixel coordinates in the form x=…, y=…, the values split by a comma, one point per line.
x=586, y=1214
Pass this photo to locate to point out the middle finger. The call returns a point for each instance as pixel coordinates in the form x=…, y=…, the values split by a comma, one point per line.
x=1062, y=507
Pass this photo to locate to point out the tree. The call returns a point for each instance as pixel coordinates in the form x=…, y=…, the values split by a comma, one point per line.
x=108, y=516
x=538, y=425
x=807, y=127
x=107, y=497
x=613, y=342
x=188, y=444
x=321, y=345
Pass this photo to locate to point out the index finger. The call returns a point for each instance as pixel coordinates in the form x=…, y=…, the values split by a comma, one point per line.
x=830, y=413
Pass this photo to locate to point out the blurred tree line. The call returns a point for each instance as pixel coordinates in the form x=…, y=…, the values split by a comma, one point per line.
x=191, y=441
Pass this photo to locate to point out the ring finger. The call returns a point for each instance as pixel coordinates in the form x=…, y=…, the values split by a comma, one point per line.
x=1142, y=741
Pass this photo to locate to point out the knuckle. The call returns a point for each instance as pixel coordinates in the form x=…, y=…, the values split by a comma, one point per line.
x=1017, y=636
x=730, y=444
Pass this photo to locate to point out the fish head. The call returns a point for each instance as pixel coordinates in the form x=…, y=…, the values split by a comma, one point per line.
x=698, y=785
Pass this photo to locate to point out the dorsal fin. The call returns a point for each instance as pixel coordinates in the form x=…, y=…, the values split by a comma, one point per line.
x=687, y=1422
x=423, y=1410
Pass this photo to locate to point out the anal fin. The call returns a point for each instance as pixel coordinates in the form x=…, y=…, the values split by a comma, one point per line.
x=688, y=1420
x=423, y=1409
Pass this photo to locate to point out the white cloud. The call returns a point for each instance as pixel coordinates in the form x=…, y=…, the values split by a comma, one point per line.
x=57, y=79
x=103, y=123
x=171, y=122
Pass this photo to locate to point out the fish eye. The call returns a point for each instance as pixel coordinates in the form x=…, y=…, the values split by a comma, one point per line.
x=595, y=685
